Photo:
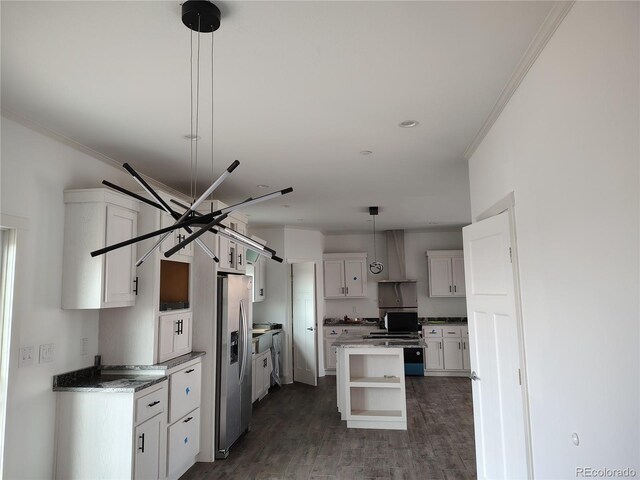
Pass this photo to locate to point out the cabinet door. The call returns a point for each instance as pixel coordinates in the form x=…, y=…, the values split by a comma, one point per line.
x=122, y=224
x=241, y=261
x=262, y=278
x=440, y=277
x=466, y=357
x=224, y=253
x=147, y=445
x=355, y=274
x=334, y=279
x=166, y=333
x=433, y=354
x=457, y=269
x=452, y=353
x=329, y=354
x=175, y=237
x=182, y=334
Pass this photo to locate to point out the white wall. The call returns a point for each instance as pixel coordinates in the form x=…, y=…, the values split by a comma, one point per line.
x=567, y=144
x=416, y=245
x=35, y=171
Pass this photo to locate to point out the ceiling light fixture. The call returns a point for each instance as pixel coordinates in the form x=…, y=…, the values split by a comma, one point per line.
x=200, y=16
x=375, y=267
x=409, y=124
x=262, y=186
x=366, y=152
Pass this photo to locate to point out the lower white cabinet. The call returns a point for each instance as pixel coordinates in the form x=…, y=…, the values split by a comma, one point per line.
x=261, y=375
x=112, y=434
x=332, y=332
x=447, y=350
x=183, y=433
x=174, y=335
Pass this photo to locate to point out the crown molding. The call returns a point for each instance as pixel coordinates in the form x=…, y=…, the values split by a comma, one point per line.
x=537, y=45
x=47, y=132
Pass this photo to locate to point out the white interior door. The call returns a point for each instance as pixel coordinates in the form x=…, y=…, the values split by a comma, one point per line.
x=303, y=293
x=498, y=402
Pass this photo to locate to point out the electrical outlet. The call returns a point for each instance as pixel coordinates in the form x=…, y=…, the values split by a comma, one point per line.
x=26, y=356
x=84, y=348
x=46, y=353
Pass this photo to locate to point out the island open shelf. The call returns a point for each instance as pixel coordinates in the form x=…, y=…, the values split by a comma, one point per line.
x=371, y=387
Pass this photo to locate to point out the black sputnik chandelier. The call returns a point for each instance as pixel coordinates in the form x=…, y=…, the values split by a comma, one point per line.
x=200, y=16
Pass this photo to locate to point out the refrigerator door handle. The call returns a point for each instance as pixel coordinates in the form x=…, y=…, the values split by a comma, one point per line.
x=245, y=334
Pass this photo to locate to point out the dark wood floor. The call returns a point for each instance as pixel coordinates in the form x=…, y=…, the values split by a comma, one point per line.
x=297, y=434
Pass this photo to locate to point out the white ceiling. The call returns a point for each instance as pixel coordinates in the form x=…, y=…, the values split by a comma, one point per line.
x=300, y=89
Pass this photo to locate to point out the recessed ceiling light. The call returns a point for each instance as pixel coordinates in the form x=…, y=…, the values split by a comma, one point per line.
x=192, y=137
x=409, y=124
x=366, y=152
x=262, y=186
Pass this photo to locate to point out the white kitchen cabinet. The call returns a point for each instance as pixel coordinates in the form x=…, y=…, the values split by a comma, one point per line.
x=331, y=333
x=345, y=275
x=112, y=434
x=231, y=255
x=175, y=237
x=257, y=270
x=446, y=273
x=434, y=355
x=466, y=356
x=452, y=353
x=447, y=350
x=261, y=375
x=94, y=219
x=147, y=438
x=142, y=334
x=183, y=433
x=175, y=335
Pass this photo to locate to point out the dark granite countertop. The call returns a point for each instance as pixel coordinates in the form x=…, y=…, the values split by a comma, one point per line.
x=93, y=380
x=168, y=365
x=443, y=321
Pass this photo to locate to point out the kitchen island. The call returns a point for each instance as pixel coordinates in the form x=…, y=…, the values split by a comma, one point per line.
x=370, y=381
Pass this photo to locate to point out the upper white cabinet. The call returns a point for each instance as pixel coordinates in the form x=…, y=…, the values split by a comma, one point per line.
x=345, y=275
x=231, y=255
x=446, y=273
x=175, y=237
x=95, y=218
x=258, y=270
x=158, y=327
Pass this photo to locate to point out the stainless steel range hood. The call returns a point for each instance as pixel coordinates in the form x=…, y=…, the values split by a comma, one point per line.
x=399, y=292
x=396, y=263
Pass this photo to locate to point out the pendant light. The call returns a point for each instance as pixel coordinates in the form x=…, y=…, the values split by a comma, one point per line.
x=375, y=267
x=200, y=16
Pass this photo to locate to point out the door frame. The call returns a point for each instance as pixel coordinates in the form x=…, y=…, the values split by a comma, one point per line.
x=508, y=204
x=289, y=328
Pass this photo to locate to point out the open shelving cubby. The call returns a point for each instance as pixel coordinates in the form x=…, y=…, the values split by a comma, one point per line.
x=375, y=388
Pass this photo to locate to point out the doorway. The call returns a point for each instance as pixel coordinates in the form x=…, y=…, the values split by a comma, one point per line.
x=303, y=321
x=497, y=360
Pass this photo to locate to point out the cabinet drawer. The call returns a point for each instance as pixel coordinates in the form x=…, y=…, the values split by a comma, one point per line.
x=332, y=332
x=431, y=331
x=465, y=331
x=451, y=331
x=185, y=391
x=151, y=404
x=184, y=442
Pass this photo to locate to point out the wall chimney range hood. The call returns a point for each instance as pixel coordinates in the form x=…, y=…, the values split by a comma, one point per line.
x=396, y=258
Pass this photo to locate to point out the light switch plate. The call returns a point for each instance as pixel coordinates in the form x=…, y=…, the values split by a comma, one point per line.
x=26, y=356
x=46, y=353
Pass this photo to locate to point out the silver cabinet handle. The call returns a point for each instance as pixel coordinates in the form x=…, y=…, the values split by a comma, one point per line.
x=473, y=376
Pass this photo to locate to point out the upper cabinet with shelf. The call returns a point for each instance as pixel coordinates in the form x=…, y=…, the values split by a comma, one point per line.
x=345, y=275
x=95, y=218
x=446, y=273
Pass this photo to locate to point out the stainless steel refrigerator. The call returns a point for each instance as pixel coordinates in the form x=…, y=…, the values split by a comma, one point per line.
x=233, y=372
